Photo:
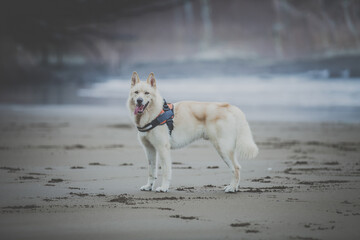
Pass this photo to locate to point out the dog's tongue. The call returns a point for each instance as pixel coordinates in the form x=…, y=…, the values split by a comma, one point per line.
x=138, y=108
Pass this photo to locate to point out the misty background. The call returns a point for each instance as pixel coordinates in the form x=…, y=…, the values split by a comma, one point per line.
x=276, y=60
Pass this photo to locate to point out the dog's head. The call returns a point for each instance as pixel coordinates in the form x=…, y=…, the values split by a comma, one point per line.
x=142, y=94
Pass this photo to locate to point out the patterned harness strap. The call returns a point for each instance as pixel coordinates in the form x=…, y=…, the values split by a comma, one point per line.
x=165, y=116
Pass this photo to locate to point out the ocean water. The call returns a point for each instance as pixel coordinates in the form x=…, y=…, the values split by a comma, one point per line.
x=273, y=98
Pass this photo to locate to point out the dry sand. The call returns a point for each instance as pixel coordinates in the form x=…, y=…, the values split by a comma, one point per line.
x=75, y=173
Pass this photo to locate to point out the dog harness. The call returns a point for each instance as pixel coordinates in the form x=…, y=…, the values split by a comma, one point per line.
x=165, y=116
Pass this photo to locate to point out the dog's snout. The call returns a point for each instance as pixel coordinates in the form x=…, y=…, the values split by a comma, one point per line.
x=139, y=100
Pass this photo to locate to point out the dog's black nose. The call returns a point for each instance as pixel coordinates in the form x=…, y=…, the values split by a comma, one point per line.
x=139, y=100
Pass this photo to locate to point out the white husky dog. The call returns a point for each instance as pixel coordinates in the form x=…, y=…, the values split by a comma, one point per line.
x=224, y=125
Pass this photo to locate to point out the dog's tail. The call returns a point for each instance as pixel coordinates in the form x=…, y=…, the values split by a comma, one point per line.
x=245, y=145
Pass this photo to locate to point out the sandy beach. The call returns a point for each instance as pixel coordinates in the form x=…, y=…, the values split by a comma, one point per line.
x=75, y=173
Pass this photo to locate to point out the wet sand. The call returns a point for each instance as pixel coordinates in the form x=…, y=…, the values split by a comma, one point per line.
x=75, y=173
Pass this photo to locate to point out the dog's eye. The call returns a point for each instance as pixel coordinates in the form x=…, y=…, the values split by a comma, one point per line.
x=136, y=92
x=147, y=93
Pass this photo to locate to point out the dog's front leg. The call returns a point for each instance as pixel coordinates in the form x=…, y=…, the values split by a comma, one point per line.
x=165, y=162
x=151, y=156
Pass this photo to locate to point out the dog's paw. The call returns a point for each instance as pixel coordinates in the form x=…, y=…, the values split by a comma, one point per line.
x=230, y=189
x=162, y=189
x=147, y=187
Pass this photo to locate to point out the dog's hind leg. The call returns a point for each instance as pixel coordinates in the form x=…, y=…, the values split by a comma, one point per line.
x=223, y=139
x=151, y=156
x=229, y=157
x=234, y=184
x=226, y=147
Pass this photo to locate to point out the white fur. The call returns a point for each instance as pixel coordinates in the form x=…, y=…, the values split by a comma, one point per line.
x=224, y=125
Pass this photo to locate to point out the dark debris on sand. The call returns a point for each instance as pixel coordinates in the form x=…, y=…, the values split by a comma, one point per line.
x=300, y=163
x=184, y=217
x=323, y=182
x=262, y=180
x=56, y=180
x=126, y=164
x=299, y=171
x=212, y=167
x=124, y=198
x=37, y=174
x=245, y=224
x=177, y=163
x=159, y=208
x=189, y=167
x=79, y=194
x=77, y=167
x=163, y=198
x=22, y=207
x=331, y=163
x=75, y=146
x=96, y=164
x=185, y=189
x=11, y=169
x=266, y=189
x=28, y=178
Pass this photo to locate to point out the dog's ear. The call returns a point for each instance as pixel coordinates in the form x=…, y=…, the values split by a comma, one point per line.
x=151, y=80
x=134, y=79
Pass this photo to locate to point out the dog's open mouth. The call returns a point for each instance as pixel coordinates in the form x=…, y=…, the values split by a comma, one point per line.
x=140, y=108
